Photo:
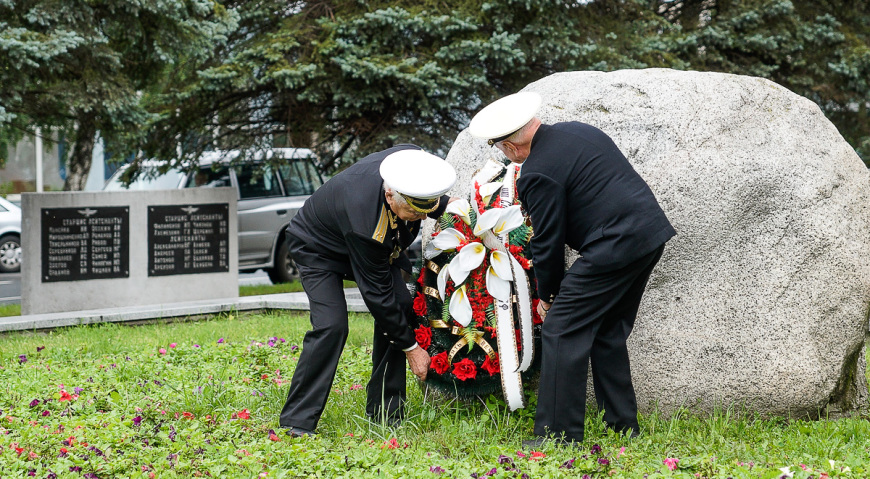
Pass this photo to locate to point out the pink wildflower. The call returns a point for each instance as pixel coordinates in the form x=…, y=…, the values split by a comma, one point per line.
x=162, y=350
x=671, y=462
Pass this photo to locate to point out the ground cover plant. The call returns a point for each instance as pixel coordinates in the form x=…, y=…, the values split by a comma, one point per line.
x=201, y=399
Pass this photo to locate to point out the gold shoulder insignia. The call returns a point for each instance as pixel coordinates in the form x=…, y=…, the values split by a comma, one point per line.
x=383, y=225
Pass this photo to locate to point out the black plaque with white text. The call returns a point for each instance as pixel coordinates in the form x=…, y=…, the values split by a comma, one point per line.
x=85, y=243
x=188, y=239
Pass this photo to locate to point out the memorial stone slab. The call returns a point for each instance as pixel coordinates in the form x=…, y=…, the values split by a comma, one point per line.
x=85, y=251
x=761, y=300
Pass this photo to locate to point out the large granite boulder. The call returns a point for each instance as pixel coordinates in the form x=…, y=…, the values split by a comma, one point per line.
x=761, y=300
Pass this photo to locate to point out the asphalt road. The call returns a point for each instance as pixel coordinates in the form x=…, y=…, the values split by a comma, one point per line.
x=10, y=284
x=10, y=288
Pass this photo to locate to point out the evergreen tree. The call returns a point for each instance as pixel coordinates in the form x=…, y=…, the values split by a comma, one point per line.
x=80, y=66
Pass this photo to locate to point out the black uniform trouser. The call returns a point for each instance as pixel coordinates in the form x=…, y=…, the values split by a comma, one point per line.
x=322, y=346
x=591, y=317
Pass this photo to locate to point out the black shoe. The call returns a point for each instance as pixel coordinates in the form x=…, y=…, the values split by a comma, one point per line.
x=541, y=441
x=294, y=432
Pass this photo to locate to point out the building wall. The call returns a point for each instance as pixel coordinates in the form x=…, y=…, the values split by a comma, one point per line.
x=20, y=167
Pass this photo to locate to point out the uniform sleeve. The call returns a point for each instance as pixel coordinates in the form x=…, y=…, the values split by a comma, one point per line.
x=442, y=205
x=370, y=261
x=544, y=199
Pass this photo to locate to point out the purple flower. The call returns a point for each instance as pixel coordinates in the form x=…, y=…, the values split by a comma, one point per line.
x=221, y=340
x=569, y=464
x=51, y=475
x=91, y=475
x=271, y=343
x=32, y=473
x=587, y=476
x=596, y=449
x=491, y=472
x=603, y=461
x=436, y=469
x=46, y=413
x=34, y=403
x=505, y=459
x=22, y=359
x=75, y=469
x=137, y=420
x=294, y=347
x=39, y=348
x=195, y=345
x=78, y=390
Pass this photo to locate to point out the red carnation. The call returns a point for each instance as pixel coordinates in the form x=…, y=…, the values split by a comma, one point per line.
x=465, y=369
x=439, y=363
x=424, y=336
x=491, y=365
x=420, y=305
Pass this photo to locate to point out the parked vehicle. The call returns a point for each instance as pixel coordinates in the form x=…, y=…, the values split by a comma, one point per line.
x=268, y=198
x=10, y=237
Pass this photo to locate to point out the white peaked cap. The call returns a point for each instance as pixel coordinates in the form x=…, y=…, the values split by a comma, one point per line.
x=417, y=174
x=505, y=116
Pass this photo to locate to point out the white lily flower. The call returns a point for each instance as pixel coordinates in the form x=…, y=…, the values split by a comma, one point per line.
x=443, y=275
x=448, y=240
x=486, y=221
x=462, y=209
x=510, y=219
x=467, y=260
x=497, y=287
x=500, y=262
x=460, y=307
x=486, y=191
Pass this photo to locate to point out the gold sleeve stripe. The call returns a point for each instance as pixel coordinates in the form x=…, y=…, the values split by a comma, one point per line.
x=383, y=226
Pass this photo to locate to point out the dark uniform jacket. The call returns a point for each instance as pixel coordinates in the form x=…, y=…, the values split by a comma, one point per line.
x=581, y=191
x=347, y=227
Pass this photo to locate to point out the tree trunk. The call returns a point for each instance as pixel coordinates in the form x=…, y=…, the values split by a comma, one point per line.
x=82, y=153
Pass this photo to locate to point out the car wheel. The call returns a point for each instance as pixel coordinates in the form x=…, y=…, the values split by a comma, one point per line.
x=10, y=254
x=285, y=270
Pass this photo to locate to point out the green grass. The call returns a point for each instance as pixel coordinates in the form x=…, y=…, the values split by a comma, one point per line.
x=123, y=375
x=292, y=287
x=10, y=310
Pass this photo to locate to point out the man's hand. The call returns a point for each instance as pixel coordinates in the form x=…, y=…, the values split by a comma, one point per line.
x=543, y=307
x=418, y=360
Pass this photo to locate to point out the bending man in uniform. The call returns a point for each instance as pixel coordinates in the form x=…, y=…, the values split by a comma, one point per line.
x=355, y=227
x=580, y=191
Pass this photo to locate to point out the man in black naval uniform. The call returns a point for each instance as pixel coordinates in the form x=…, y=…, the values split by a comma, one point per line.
x=580, y=191
x=355, y=227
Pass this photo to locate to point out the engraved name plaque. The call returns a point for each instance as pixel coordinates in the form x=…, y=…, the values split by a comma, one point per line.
x=188, y=239
x=85, y=243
